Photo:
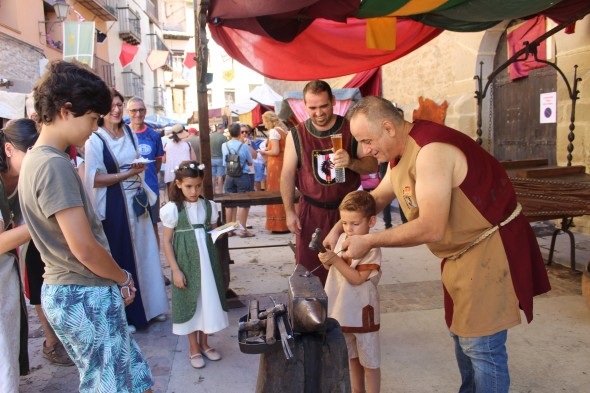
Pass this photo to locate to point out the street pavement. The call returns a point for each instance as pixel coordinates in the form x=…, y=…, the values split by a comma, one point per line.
x=550, y=355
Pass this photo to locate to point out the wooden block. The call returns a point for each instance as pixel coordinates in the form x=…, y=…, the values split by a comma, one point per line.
x=320, y=364
x=524, y=163
x=586, y=287
x=553, y=171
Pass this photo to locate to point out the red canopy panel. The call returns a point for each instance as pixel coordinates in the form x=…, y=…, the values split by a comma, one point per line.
x=368, y=82
x=281, y=20
x=326, y=49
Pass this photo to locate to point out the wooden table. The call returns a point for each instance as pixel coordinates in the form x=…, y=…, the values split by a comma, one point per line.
x=549, y=193
x=254, y=198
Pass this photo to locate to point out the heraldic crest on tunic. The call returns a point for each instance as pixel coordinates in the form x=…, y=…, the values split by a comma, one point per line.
x=323, y=166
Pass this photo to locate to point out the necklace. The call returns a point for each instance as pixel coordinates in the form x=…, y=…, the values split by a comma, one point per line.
x=113, y=134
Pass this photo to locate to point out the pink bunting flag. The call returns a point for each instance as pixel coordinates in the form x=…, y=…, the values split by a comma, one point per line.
x=189, y=60
x=128, y=53
x=157, y=59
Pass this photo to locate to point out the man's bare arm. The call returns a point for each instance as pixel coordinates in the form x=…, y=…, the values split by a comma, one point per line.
x=288, y=184
x=158, y=164
x=435, y=178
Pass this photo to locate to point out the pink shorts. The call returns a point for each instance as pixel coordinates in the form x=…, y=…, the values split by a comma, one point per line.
x=364, y=346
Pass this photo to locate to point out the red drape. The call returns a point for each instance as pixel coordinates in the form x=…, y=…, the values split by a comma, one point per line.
x=368, y=82
x=257, y=115
x=529, y=31
x=325, y=49
x=565, y=10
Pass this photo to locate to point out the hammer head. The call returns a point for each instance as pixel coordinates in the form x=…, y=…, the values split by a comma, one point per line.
x=316, y=243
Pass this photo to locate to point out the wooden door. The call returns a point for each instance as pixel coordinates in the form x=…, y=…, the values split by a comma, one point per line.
x=517, y=132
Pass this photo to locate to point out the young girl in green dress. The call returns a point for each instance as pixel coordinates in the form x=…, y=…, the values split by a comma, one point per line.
x=198, y=295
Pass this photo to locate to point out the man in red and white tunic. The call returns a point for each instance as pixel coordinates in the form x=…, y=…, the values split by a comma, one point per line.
x=310, y=165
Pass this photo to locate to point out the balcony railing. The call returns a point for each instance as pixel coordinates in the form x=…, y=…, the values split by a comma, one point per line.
x=159, y=98
x=132, y=84
x=105, y=9
x=105, y=70
x=129, y=27
x=151, y=7
x=156, y=42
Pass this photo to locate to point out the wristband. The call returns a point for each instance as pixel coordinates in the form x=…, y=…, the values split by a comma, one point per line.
x=127, y=280
x=125, y=291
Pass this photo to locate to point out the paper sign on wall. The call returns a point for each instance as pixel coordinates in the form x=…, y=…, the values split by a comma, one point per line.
x=548, y=111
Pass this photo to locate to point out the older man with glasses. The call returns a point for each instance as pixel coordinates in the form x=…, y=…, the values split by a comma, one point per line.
x=150, y=147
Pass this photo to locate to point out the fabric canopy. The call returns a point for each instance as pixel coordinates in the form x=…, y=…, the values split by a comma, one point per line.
x=277, y=38
x=12, y=105
x=345, y=54
x=265, y=95
x=156, y=121
x=293, y=106
x=281, y=20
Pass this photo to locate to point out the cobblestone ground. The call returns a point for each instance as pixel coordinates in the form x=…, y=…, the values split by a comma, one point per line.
x=253, y=278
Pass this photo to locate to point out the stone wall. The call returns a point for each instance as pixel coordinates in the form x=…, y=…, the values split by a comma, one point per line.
x=440, y=70
x=19, y=63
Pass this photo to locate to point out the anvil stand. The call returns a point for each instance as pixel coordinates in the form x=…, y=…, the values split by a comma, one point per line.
x=320, y=357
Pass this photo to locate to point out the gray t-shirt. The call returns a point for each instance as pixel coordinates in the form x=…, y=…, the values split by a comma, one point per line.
x=48, y=184
x=195, y=142
x=216, y=139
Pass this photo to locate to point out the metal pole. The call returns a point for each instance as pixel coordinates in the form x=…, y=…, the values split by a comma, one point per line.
x=202, y=54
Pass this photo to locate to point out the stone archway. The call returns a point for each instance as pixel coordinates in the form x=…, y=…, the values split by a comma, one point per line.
x=485, y=64
x=510, y=110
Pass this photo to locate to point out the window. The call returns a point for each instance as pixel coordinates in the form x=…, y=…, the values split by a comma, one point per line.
x=9, y=14
x=230, y=96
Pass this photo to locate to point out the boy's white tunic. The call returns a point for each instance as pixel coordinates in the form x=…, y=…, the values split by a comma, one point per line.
x=355, y=307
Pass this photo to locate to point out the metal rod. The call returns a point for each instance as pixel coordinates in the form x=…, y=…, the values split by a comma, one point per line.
x=266, y=246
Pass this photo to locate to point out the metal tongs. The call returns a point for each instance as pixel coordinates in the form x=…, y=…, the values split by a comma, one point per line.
x=285, y=337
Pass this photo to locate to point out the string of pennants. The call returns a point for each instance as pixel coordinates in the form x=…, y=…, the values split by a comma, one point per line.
x=155, y=59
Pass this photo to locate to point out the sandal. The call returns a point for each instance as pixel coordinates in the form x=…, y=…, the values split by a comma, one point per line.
x=57, y=354
x=197, y=360
x=246, y=234
x=211, y=354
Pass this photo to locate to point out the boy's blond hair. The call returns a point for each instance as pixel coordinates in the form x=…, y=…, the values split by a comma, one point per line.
x=359, y=201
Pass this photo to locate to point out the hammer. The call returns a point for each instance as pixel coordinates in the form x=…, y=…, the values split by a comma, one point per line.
x=269, y=314
x=316, y=242
x=276, y=310
x=253, y=325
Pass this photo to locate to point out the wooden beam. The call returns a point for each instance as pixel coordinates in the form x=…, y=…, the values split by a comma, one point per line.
x=552, y=171
x=202, y=54
x=525, y=163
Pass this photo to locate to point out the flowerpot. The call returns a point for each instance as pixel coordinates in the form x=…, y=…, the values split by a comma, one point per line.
x=586, y=286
